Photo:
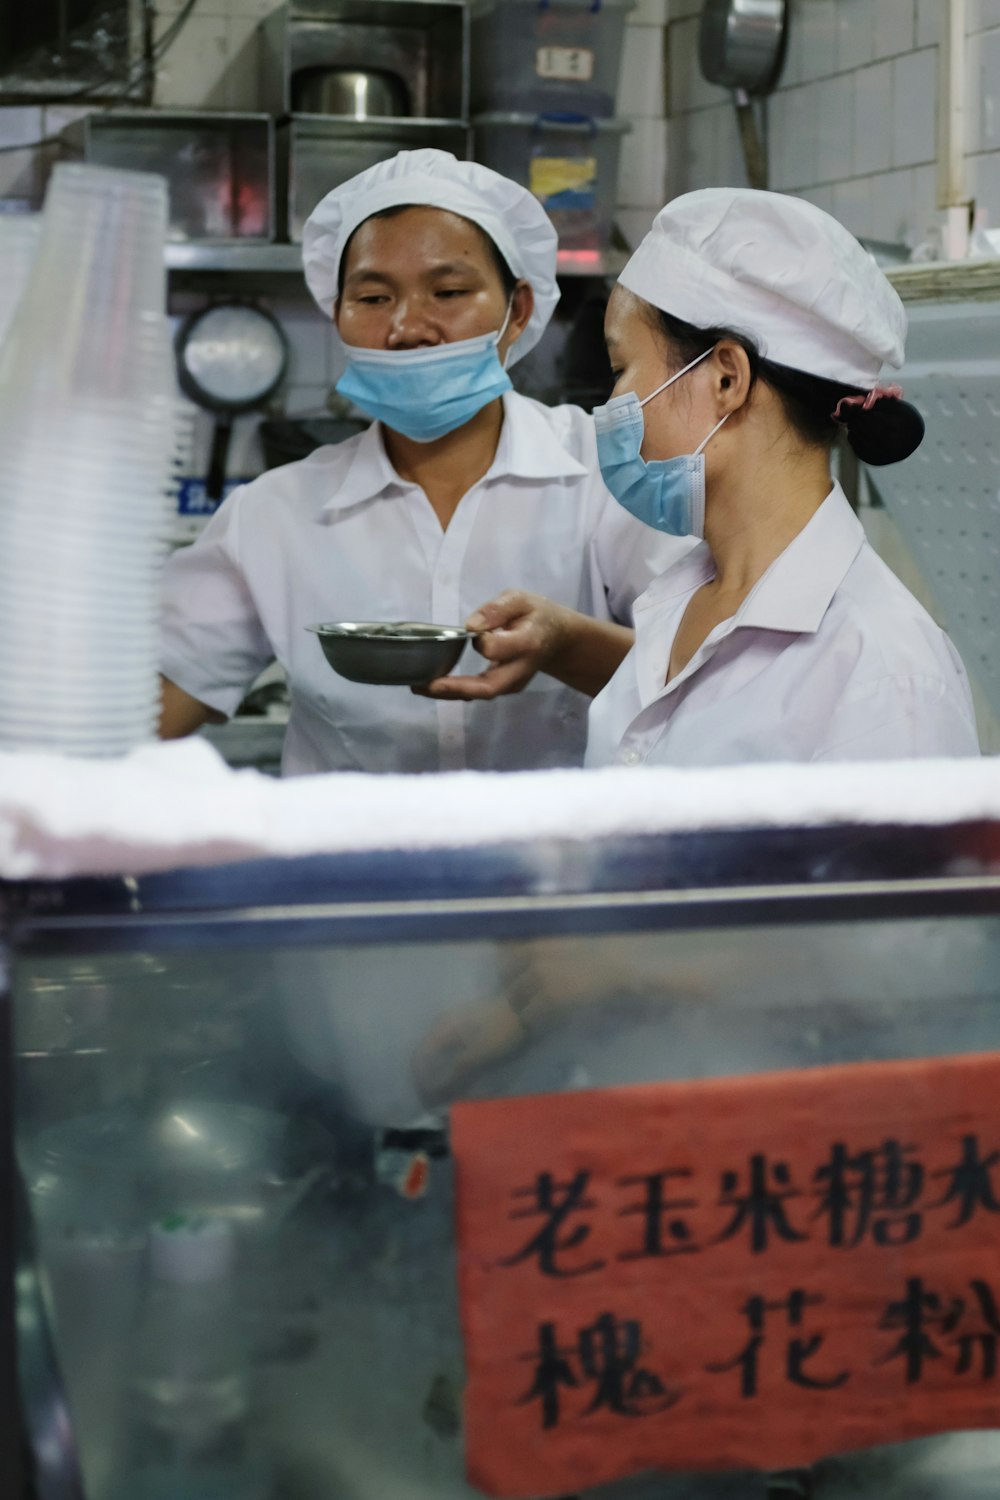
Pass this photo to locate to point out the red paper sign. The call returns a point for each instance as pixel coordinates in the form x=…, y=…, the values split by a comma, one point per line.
x=741, y=1273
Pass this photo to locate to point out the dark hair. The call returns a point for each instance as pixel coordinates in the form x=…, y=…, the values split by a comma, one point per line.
x=885, y=434
x=503, y=270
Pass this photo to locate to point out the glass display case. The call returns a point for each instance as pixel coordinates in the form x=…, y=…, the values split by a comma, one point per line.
x=227, y=1283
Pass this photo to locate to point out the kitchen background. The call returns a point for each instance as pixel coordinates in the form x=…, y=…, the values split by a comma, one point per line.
x=853, y=125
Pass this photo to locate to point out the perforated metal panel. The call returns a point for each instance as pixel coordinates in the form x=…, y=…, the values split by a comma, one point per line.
x=946, y=498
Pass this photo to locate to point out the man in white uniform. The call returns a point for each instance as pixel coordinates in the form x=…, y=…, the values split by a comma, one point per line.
x=437, y=274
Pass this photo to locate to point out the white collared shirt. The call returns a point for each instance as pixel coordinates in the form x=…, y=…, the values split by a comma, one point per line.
x=829, y=657
x=339, y=536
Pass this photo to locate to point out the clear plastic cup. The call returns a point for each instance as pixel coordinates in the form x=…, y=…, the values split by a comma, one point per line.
x=112, y=216
x=75, y=635
x=124, y=668
x=117, y=536
x=84, y=711
x=89, y=571
x=87, y=715
x=89, y=712
x=134, y=447
x=105, y=747
x=100, y=266
x=90, y=724
x=87, y=722
x=112, y=541
x=102, y=738
x=19, y=237
x=88, y=605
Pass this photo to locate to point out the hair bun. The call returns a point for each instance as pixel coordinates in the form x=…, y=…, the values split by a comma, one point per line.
x=885, y=433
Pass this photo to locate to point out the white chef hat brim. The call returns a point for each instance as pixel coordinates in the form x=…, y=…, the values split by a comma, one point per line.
x=511, y=216
x=778, y=269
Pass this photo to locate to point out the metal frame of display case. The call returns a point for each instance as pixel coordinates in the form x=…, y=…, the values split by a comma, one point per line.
x=690, y=880
x=11, y=1427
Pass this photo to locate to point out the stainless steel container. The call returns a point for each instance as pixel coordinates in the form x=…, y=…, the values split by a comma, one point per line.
x=421, y=43
x=322, y=152
x=357, y=93
x=219, y=167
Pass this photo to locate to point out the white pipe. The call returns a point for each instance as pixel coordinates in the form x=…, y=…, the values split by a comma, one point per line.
x=951, y=180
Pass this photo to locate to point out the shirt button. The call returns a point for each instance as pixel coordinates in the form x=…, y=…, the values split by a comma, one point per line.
x=631, y=758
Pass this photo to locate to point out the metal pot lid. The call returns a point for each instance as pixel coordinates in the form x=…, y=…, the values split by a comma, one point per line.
x=741, y=43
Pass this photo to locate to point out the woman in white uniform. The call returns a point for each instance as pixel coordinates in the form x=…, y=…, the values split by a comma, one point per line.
x=437, y=274
x=746, y=332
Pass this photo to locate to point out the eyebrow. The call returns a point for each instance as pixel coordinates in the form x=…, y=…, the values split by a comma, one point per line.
x=365, y=273
x=455, y=268
x=442, y=268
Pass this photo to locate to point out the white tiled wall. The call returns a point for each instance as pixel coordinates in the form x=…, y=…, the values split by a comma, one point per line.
x=214, y=62
x=641, y=100
x=852, y=124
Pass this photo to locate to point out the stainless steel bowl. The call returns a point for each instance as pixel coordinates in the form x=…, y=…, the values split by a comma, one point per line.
x=354, y=93
x=402, y=654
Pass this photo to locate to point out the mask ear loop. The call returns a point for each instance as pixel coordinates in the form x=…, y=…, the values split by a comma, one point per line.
x=703, y=445
x=669, y=382
x=503, y=329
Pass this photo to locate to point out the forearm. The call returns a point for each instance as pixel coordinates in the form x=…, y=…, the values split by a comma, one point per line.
x=520, y=634
x=587, y=652
x=180, y=714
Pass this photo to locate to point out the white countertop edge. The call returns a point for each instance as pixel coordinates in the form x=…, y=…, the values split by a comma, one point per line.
x=170, y=805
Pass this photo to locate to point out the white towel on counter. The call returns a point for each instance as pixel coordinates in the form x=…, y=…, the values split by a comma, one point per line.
x=169, y=805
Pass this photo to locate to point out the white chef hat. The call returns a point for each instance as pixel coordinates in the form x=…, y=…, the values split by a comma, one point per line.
x=512, y=217
x=779, y=269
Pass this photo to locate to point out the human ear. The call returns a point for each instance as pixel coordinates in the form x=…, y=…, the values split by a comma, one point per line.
x=522, y=305
x=732, y=375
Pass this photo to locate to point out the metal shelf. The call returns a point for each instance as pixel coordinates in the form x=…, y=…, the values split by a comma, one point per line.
x=948, y=281
x=197, y=259
x=268, y=260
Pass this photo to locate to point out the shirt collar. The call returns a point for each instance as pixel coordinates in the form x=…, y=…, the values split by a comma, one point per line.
x=795, y=592
x=529, y=448
x=368, y=473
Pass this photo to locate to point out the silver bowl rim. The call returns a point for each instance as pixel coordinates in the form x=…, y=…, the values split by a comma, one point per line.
x=390, y=631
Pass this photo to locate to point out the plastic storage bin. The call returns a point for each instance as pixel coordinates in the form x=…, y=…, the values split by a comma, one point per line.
x=535, y=55
x=569, y=162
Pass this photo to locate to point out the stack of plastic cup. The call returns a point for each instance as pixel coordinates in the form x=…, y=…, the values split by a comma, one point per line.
x=19, y=234
x=88, y=426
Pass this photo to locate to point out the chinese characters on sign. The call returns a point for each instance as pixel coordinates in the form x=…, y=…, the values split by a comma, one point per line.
x=743, y=1273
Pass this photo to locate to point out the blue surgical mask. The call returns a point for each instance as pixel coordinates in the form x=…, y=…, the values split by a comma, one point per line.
x=666, y=493
x=425, y=393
